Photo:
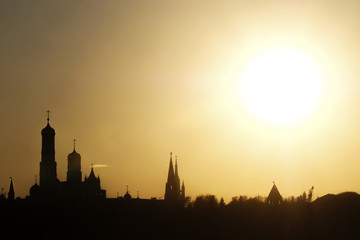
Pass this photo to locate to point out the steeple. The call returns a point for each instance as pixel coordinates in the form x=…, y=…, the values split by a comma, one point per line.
x=176, y=167
x=274, y=196
x=177, y=178
x=171, y=170
x=172, y=188
x=11, y=194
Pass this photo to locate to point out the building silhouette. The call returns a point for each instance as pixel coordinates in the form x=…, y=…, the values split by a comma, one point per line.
x=172, y=187
x=73, y=188
x=274, y=196
x=127, y=195
x=74, y=167
x=48, y=176
x=11, y=194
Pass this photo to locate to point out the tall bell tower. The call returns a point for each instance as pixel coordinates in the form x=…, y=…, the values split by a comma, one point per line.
x=48, y=179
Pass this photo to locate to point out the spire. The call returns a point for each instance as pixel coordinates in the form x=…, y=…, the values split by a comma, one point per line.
x=176, y=168
x=74, y=143
x=171, y=170
x=11, y=194
x=48, y=115
x=92, y=174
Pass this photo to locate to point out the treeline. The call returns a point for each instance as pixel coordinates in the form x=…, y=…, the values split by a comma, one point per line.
x=211, y=201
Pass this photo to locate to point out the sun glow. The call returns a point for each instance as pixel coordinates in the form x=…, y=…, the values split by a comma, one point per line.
x=282, y=86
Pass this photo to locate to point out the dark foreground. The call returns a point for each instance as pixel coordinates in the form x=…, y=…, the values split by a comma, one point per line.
x=331, y=217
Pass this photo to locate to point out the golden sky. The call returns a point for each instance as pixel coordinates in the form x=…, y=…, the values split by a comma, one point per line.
x=133, y=81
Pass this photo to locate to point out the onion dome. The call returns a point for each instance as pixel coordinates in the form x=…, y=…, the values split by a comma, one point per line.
x=48, y=130
x=74, y=154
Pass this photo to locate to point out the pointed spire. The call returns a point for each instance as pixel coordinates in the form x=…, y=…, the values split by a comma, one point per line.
x=127, y=188
x=92, y=174
x=176, y=168
x=171, y=170
x=11, y=194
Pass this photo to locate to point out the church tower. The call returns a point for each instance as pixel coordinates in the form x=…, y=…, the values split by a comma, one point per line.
x=172, y=189
x=48, y=179
x=74, y=167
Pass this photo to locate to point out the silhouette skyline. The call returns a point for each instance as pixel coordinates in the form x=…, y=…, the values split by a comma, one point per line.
x=134, y=81
x=257, y=103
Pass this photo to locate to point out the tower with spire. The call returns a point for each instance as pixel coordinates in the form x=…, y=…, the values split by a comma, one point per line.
x=48, y=176
x=11, y=194
x=92, y=186
x=274, y=197
x=74, y=167
x=172, y=187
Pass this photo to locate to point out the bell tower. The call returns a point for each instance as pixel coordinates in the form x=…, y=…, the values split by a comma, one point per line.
x=48, y=179
x=74, y=167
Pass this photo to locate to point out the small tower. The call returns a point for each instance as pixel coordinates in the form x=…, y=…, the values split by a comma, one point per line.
x=274, y=197
x=92, y=184
x=74, y=167
x=11, y=194
x=182, y=193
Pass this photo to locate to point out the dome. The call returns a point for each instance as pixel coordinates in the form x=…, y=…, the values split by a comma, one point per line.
x=127, y=196
x=48, y=130
x=34, y=190
x=74, y=154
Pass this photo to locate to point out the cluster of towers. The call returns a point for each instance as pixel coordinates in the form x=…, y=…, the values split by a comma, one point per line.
x=74, y=188
x=172, y=188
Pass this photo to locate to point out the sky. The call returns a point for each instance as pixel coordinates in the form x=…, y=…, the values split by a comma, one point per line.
x=133, y=81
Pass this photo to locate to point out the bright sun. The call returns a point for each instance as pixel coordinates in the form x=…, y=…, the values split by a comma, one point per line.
x=282, y=86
